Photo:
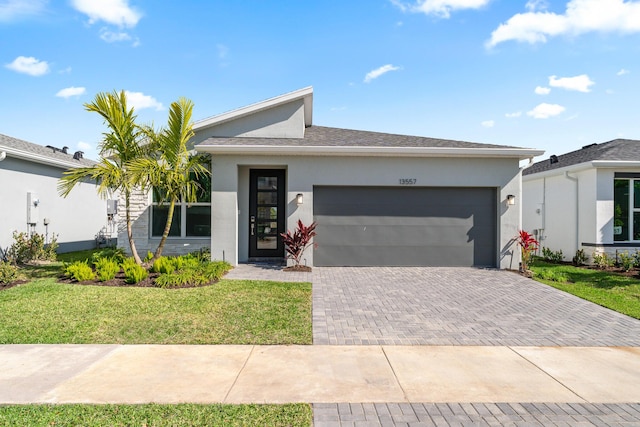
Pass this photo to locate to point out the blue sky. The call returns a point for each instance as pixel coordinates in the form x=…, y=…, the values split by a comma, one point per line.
x=552, y=75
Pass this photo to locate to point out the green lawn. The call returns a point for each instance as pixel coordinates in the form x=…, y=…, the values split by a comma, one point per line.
x=609, y=289
x=227, y=312
x=154, y=415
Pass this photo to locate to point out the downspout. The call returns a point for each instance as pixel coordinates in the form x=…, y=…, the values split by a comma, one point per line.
x=575, y=179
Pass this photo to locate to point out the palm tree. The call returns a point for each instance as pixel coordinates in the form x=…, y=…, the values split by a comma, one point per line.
x=174, y=173
x=121, y=145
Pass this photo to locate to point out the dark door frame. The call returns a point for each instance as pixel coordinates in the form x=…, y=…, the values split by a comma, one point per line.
x=257, y=220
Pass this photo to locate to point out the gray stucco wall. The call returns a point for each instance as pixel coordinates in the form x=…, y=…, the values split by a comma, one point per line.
x=75, y=220
x=230, y=191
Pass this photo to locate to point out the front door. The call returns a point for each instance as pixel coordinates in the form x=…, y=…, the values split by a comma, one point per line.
x=266, y=212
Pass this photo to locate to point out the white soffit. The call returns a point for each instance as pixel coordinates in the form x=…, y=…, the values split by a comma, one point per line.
x=305, y=93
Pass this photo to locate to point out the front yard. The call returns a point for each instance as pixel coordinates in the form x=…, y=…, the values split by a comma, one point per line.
x=227, y=312
x=611, y=289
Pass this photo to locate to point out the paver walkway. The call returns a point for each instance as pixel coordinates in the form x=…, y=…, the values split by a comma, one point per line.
x=449, y=306
x=462, y=306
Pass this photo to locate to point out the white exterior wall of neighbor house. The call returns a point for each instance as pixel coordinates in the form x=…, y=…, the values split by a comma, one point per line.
x=75, y=220
x=231, y=183
x=562, y=213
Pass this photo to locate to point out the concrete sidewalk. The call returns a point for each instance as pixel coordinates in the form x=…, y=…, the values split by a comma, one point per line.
x=280, y=374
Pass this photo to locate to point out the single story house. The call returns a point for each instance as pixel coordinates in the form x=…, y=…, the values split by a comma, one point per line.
x=585, y=199
x=29, y=174
x=378, y=199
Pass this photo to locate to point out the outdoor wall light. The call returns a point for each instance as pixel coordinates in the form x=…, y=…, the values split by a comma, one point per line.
x=511, y=200
x=299, y=200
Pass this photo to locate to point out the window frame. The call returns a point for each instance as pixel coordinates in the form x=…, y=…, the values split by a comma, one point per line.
x=183, y=207
x=631, y=209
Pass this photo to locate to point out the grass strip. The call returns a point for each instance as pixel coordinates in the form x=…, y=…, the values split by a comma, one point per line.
x=228, y=312
x=156, y=415
x=608, y=289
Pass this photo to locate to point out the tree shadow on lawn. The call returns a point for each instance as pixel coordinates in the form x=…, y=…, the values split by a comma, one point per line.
x=603, y=279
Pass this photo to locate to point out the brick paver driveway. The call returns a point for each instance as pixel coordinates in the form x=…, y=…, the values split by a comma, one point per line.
x=456, y=306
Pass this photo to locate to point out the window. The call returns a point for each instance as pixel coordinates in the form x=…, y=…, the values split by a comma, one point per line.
x=626, y=210
x=189, y=219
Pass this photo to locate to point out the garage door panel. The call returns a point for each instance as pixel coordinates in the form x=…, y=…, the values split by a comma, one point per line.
x=398, y=235
x=402, y=256
x=437, y=226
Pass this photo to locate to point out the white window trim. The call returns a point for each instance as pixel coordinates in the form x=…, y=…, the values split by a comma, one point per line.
x=183, y=218
x=631, y=208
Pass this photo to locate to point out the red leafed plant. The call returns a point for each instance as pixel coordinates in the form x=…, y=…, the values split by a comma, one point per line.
x=296, y=242
x=527, y=246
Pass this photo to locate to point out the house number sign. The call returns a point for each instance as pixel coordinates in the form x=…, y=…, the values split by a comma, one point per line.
x=407, y=181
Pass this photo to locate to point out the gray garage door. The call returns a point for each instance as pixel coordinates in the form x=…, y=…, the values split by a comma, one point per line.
x=405, y=226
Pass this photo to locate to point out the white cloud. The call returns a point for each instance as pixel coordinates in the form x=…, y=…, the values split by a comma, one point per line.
x=71, y=91
x=513, y=115
x=115, y=12
x=439, y=8
x=85, y=146
x=542, y=90
x=374, y=74
x=533, y=5
x=14, y=9
x=579, y=83
x=544, y=111
x=112, y=37
x=29, y=65
x=581, y=16
x=139, y=101
x=488, y=123
x=223, y=51
x=622, y=72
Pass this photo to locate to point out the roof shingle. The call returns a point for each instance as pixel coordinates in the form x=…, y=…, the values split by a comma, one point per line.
x=9, y=143
x=320, y=136
x=617, y=149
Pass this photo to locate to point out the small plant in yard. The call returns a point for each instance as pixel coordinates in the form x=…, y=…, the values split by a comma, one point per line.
x=27, y=248
x=552, y=256
x=133, y=273
x=116, y=254
x=79, y=271
x=298, y=241
x=580, y=258
x=163, y=265
x=626, y=261
x=602, y=260
x=106, y=269
x=551, y=276
x=8, y=272
x=527, y=246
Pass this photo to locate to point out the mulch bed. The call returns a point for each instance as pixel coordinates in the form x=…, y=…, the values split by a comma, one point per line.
x=304, y=268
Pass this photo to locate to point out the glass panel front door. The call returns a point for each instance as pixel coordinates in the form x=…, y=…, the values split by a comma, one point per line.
x=266, y=212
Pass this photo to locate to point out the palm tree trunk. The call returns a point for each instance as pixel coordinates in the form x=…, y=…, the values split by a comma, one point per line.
x=132, y=243
x=167, y=228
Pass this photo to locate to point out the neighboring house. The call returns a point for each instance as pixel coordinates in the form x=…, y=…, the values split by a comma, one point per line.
x=378, y=199
x=29, y=200
x=588, y=199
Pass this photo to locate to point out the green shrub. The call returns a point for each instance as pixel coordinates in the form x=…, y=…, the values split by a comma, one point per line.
x=9, y=273
x=552, y=276
x=115, y=254
x=163, y=265
x=552, y=256
x=580, y=258
x=27, y=248
x=79, y=271
x=133, y=273
x=625, y=260
x=602, y=260
x=193, y=274
x=106, y=269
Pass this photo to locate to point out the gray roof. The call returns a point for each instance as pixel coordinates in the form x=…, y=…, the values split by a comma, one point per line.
x=319, y=136
x=8, y=143
x=618, y=149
